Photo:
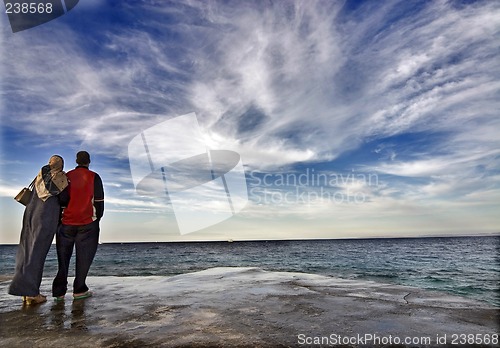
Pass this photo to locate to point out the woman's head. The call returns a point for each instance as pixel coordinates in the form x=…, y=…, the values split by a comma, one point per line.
x=56, y=163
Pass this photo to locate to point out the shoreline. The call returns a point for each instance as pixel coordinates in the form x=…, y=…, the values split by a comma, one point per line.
x=239, y=306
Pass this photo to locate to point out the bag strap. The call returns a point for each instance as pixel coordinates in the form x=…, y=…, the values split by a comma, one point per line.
x=32, y=185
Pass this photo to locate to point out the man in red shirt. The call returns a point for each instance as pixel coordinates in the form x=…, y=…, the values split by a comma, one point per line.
x=84, y=208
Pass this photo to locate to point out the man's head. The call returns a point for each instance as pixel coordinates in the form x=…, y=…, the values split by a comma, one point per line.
x=83, y=158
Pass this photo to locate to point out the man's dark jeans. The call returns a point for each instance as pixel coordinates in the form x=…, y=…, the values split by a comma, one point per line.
x=85, y=238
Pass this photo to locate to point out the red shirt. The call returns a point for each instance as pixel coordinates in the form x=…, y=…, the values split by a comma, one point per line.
x=84, y=190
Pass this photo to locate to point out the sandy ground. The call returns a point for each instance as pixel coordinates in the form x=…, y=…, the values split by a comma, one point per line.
x=244, y=307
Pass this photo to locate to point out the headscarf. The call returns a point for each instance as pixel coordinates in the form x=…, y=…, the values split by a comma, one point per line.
x=51, y=180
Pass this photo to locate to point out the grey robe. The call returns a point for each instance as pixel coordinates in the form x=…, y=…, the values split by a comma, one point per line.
x=40, y=223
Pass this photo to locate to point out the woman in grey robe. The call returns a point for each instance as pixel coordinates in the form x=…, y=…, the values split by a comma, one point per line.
x=40, y=222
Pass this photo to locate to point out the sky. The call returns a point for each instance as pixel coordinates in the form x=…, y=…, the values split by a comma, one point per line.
x=338, y=119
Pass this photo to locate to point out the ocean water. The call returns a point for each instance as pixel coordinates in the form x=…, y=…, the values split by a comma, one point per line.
x=465, y=266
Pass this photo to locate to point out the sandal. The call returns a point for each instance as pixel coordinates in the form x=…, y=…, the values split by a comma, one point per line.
x=86, y=294
x=33, y=300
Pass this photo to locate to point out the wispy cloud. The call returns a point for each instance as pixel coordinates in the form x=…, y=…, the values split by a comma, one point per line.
x=8, y=191
x=294, y=62
x=281, y=83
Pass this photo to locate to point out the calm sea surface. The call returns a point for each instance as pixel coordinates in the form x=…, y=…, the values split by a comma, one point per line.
x=466, y=266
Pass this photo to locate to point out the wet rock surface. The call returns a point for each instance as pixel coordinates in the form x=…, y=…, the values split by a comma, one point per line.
x=242, y=307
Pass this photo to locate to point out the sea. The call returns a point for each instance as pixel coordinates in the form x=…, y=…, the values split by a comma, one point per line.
x=464, y=266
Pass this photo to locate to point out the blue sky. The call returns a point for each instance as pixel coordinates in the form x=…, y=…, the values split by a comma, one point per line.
x=388, y=110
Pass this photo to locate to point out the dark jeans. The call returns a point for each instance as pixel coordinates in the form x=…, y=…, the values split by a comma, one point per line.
x=85, y=238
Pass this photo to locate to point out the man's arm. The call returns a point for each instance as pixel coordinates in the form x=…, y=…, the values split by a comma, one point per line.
x=64, y=197
x=98, y=197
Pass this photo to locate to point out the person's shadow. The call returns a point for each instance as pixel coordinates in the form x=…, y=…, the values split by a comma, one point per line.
x=32, y=316
x=78, y=316
x=58, y=315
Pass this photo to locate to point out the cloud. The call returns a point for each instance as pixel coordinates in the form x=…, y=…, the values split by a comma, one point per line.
x=322, y=78
x=435, y=166
x=407, y=78
x=7, y=191
x=137, y=205
x=283, y=84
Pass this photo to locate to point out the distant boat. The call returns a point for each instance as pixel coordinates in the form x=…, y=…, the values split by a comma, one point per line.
x=230, y=240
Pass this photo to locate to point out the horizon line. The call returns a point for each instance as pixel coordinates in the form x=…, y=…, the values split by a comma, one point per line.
x=230, y=240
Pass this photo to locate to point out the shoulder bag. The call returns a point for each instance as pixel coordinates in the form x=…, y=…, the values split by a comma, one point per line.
x=23, y=197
